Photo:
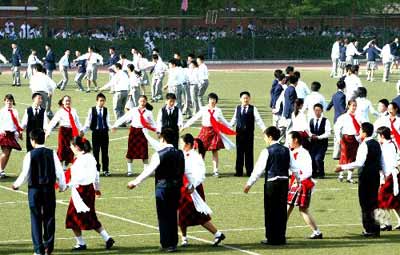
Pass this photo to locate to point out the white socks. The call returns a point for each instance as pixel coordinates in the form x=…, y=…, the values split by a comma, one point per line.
x=129, y=167
x=184, y=239
x=217, y=234
x=79, y=240
x=349, y=175
x=104, y=235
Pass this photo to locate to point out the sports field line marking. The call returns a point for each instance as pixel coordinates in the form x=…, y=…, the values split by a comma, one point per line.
x=145, y=225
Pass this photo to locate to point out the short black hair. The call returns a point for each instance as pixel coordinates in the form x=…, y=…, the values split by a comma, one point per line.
x=297, y=73
x=38, y=67
x=354, y=68
x=281, y=77
x=35, y=95
x=131, y=67
x=155, y=57
x=118, y=66
x=273, y=132
x=296, y=135
x=156, y=50
x=277, y=73
x=315, y=86
x=341, y=84
x=244, y=93
x=384, y=101
x=385, y=132
x=213, y=96
x=361, y=92
x=168, y=135
x=9, y=97
x=395, y=106
x=191, y=55
x=122, y=55
x=100, y=95
x=48, y=45
x=82, y=143
x=318, y=105
x=173, y=61
x=112, y=48
x=289, y=69
x=367, y=128
x=201, y=57
x=38, y=136
x=348, y=67
x=170, y=96
x=293, y=79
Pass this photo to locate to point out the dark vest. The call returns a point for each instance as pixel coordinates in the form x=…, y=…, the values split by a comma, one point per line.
x=320, y=131
x=93, y=123
x=34, y=122
x=169, y=121
x=245, y=121
x=372, y=165
x=42, y=171
x=172, y=165
x=278, y=161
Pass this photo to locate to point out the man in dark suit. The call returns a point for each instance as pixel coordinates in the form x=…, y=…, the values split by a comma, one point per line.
x=41, y=168
x=290, y=97
x=112, y=60
x=49, y=61
x=16, y=59
x=338, y=101
x=274, y=93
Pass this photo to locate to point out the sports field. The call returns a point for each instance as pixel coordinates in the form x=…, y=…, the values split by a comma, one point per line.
x=130, y=216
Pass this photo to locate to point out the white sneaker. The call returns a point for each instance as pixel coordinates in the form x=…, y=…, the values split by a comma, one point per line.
x=129, y=174
x=184, y=243
x=216, y=174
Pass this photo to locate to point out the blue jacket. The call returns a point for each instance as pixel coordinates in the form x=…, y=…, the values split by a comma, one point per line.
x=50, y=61
x=16, y=58
x=273, y=93
x=372, y=54
x=112, y=60
x=290, y=97
x=338, y=102
x=342, y=53
x=81, y=64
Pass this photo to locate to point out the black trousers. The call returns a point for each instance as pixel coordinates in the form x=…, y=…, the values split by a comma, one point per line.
x=167, y=201
x=317, y=153
x=100, y=141
x=244, y=152
x=368, y=198
x=29, y=146
x=275, y=209
x=42, y=205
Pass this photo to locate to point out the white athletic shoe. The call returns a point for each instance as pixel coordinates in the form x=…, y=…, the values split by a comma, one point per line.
x=216, y=174
x=184, y=243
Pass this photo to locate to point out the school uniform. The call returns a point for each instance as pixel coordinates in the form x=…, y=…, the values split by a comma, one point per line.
x=92, y=61
x=338, y=102
x=273, y=93
x=347, y=129
x=120, y=84
x=112, y=60
x=342, y=57
x=276, y=102
x=299, y=124
x=81, y=72
x=63, y=65
x=159, y=71
x=40, y=170
x=290, y=96
x=175, y=84
x=45, y=86
x=245, y=118
x=203, y=77
x=50, y=63
x=393, y=124
x=98, y=120
x=368, y=160
x=302, y=89
x=34, y=118
x=372, y=55
x=134, y=93
x=353, y=82
x=387, y=59
x=16, y=59
x=364, y=107
x=321, y=128
x=170, y=118
x=32, y=60
x=9, y=128
x=335, y=53
x=311, y=100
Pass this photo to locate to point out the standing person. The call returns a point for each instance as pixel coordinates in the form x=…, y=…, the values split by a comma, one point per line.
x=372, y=54
x=98, y=120
x=159, y=71
x=134, y=84
x=335, y=54
x=34, y=118
x=93, y=60
x=314, y=98
x=213, y=130
x=143, y=65
x=32, y=60
x=353, y=82
x=276, y=103
x=175, y=83
x=85, y=187
x=275, y=161
x=139, y=118
x=351, y=51
x=302, y=89
x=170, y=116
x=120, y=84
x=64, y=65
x=16, y=60
x=49, y=61
x=364, y=106
x=194, y=82
x=69, y=127
x=387, y=59
x=112, y=60
x=320, y=129
x=338, y=101
x=342, y=59
x=10, y=131
x=245, y=117
x=368, y=161
x=203, y=77
x=300, y=191
x=273, y=94
x=40, y=169
x=81, y=70
x=168, y=163
x=290, y=97
x=299, y=123
x=392, y=121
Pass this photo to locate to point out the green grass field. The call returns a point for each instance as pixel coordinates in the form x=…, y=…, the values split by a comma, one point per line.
x=130, y=216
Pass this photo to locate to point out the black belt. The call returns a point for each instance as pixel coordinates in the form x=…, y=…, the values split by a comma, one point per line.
x=164, y=183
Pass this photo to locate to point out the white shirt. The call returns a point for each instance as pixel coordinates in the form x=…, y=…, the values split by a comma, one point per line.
x=302, y=89
x=344, y=126
x=387, y=56
x=300, y=123
x=143, y=64
x=195, y=169
x=328, y=128
x=124, y=63
x=364, y=106
x=257, y=117
x=352, y=83
x=311, y=100
x=24, y=121
x=88, y=121
x=203, y=72
x=362, y=153
x=351, y=50
x=91, y=59
x=335, y=50
x=159, y=69
x=64, y=61
x=174, y=78
x=119, y=82
x=303, y=162
x=26, y=164
x=84, y=171
x=133, y=116
x=134, y=81
x=41, y=82
x=193, y=75
x=205, y=117
x=33, y=59
x=6, y=122
x=62, y=118
x=169, y=110
x=281, y=99
x=389, y=158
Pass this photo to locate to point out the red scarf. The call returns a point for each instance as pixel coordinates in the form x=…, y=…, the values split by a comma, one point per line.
x=218, y=126
x=75, y=131
x=355, y=123
x=143, y=121
x=15, y=121
x=395, y=133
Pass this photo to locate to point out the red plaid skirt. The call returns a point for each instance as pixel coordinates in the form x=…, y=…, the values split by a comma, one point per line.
x=137, y=145
x=87, y=220
x=211, y=140
x=301, y=196
x=348, y=149
x=64, y=151
x=386, y=199
x=9, y=141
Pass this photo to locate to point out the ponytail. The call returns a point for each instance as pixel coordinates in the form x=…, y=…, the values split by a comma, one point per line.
x=83, y=144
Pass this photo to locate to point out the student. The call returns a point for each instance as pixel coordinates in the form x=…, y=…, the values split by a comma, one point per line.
x=98, y=120
x=213, y=132
x=143, y=65
x=335, y=54
x=40, y=169
x=10, y=131
x=64, y=65
x=275, y=161
x=92, y=61
x=290, y=96
x=81, y=71
x=277, y=100
x=170, y=116
x=203, y=77
x=139, y=118
x=194, y=83
x=159, y=71
x=320, y=129
x=300, y=192
x=49, y=61
x=314, y=98
x=175, y=82
x=338, y=101
x=372, y=55
x=364, y=106
x=112, y=60
x=392, y=121
x=134, y=84
x=299, y=123
x=244, y=118
x=85, y=187
x=368, y=162
x=353, y=82
x=168, y=163
x=34, y=118
x=32, y=60
x=274, y=93
x=387, y=59
x=302, y=89
x=342, y=59
x=16, y=60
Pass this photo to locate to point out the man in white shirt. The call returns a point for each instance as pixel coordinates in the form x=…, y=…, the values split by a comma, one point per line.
x=351, y=51
x=387, y=59
x=63, y=65
x=158, y=71
x=203, y=77
x=93, y=60
x=335, y=57
x=353, y=82
x=175, y=81
x=314, y=98
x=302, y=89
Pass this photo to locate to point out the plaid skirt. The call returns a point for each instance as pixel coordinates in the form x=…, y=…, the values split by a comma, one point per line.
x=348, y=149
x=137, y=145
x=8, y=140
x=188, y=215
x=301, y=196
x=87, y=220
x=211, y=140
x=386, y=199
x=64, y=151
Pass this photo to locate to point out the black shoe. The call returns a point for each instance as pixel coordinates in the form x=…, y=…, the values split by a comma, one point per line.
x=171, y=249
x=219, y=239
x=386, y=228
x=107, y=174
x=79, y=247
x=238, y=175
x=371, y=235
x=351, y=181
x=18, y=85
x=316, y=236
x=110, y=242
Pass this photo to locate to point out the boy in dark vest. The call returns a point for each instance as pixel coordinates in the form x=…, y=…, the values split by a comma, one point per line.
x=368, y=162
x=34, y=117
x=171, y=117
x=244, y=118
x=98, y=120
x=320, y=129
x=168, y=163
x=41, y=168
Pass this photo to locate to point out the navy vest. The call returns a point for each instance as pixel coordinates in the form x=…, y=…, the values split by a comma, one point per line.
x=278, y=162
x=93, y=123
x=320, y=131
x=245, y=121
x=169, y=121
x=172, y=165
x=372, y=165
x=42, y=171
x=34, y=121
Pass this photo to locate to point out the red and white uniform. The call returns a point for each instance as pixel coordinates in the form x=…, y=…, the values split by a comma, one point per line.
x=9, y=130
x=393, y=124
x=347, y=129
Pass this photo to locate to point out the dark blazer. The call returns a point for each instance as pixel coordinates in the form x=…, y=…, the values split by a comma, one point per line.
x=50, y=61
x=16, y=58
x=112, y=60
x=290, y=97
x=274, y=93
x=338, y=102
